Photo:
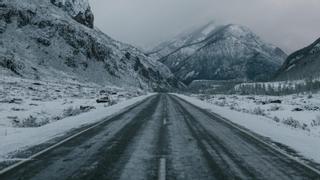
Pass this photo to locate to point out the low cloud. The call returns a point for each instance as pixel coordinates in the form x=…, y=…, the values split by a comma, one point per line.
x=289, y=24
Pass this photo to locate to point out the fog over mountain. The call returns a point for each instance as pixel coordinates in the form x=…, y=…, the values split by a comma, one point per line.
x=289, y=24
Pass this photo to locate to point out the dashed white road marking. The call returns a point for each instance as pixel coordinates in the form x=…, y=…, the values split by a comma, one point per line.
x=162, y=169
x=164, y=121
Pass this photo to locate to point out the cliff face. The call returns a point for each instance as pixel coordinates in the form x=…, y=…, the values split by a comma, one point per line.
x=78, y=9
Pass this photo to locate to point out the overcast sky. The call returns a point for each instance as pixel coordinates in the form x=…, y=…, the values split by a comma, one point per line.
x=289, y=24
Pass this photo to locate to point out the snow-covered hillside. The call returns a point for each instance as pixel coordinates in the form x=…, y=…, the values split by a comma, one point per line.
x=302, y=64
x=33, y=103
x=227, y=52
x=40, y=40
x=33, y=112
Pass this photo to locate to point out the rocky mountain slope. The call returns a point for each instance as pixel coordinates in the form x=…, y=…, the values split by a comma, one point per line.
x=184, y=39
x=302, y=64
x=79, y=10
x=56, y=39
x=225, y=52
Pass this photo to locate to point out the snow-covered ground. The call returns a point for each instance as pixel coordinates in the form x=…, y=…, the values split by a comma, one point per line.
x=33, y=112
x=292, y=120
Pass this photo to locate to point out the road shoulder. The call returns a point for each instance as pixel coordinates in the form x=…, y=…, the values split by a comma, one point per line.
x=300, y=145
x=36, y=139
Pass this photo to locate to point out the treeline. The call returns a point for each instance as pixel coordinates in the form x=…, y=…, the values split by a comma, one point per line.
x=278, y=88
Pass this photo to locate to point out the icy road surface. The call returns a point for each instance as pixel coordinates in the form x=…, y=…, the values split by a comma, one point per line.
x=163, y=137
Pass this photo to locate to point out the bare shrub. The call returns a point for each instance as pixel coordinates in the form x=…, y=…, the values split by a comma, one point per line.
x=258, y=111
x=274, y=108
x=112, y=102
x=233, y=106
x=71, y=112
x=29, y=122
x=292, y=123
x=32, y=121
x=220, y=103
x=316, y=122
x=276, y=119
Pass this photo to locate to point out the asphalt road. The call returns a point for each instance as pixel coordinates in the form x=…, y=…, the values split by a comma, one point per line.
x=163, y=137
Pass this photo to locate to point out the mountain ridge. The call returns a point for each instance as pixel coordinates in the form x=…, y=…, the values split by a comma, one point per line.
x=229, y=44
x=301, y=64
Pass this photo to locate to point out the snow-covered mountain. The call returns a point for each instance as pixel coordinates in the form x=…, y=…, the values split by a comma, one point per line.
x=302, y=64
x=55, y=39
x=184, y=39
x=225, y=52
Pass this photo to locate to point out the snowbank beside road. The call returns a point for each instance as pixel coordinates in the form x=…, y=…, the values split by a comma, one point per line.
x=303, y=142
x=15, y=139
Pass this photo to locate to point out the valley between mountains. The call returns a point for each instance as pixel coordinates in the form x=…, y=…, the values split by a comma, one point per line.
x=214, y=102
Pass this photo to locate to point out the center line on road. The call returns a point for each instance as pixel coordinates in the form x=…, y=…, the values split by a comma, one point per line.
x=162, y=169
x=164, y=121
